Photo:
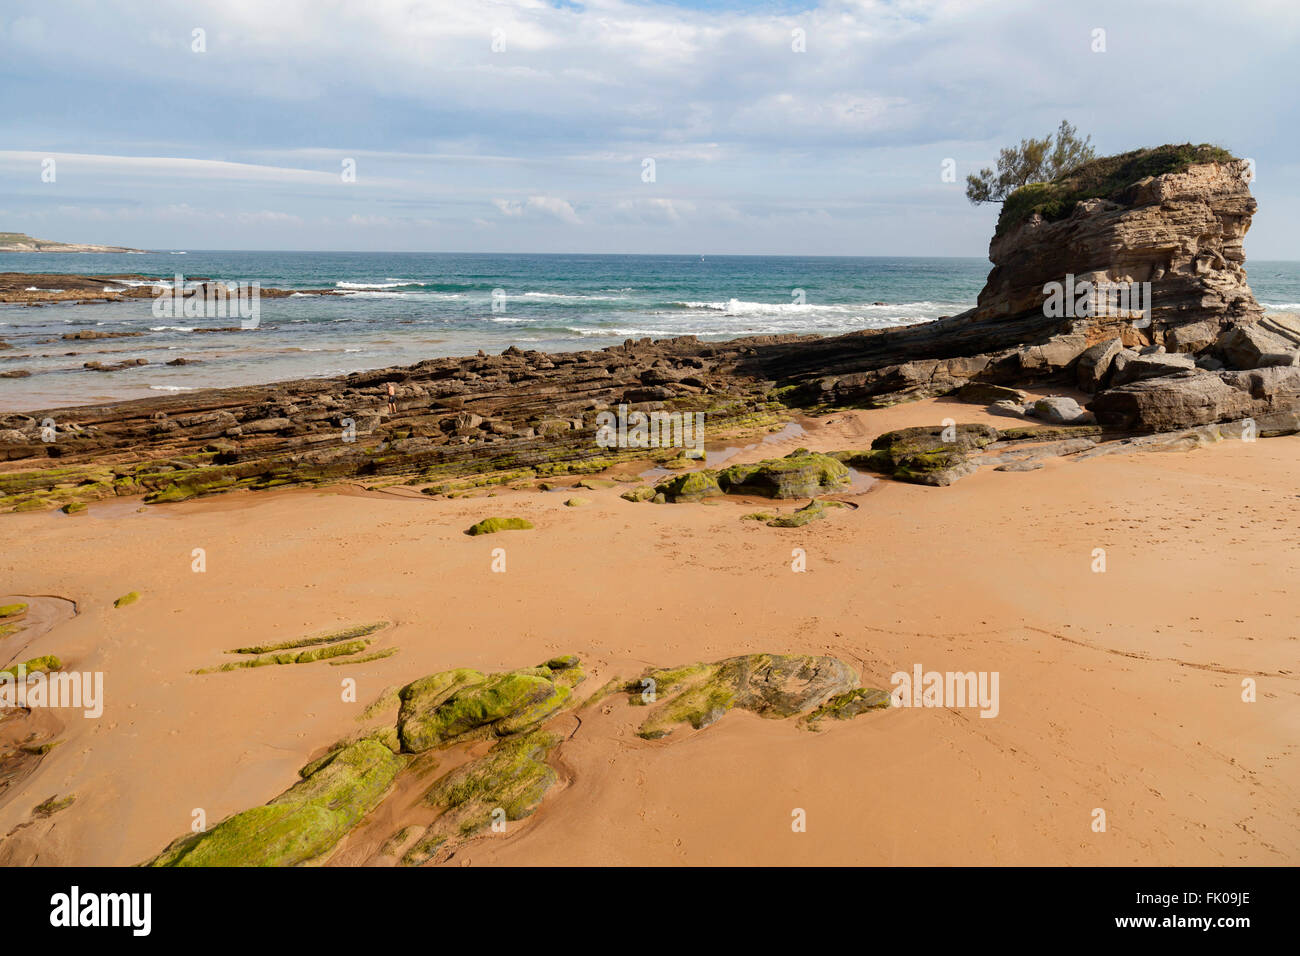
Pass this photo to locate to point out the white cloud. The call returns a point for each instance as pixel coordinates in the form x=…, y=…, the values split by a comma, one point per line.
x=553, y=206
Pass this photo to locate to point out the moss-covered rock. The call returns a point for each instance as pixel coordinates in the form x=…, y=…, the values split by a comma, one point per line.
x=812, y=511
x=774, y=686
x=692, y=486
x=800, y=474
x=507, y=703
x=304, y=822
x=13, y=612
x=46, y=662
x=577, y=502
x=53, y=805
x=365, y=658
x=332, y=637
x=644, y=493
x=317, y=653
x=493, y=525
x=130, y=597
x=74, y=508
x=510, y=778
x=850, y=704
x=925, y=454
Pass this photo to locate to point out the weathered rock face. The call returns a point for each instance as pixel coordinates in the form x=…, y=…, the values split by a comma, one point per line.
x=1181, y=232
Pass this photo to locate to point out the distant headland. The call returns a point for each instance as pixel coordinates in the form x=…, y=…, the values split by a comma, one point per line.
x=21, y=242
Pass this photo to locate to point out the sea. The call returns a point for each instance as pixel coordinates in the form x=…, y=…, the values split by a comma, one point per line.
x=399, y=308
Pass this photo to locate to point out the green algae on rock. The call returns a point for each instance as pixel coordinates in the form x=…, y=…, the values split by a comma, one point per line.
x=493, y=525
x=457, y=703
x=692, y=486
x=577, y=502
x=800, y=474
x=644, y=493
x=333, y=637
x=311, y=654
x=46, y=662
x=303, y=823
x=810, y=512
x=850, y=704
x=12, y=612
x=129, y=598
x=53, y=805
x=774, y=686
x=507, y=783
x=366, y=658
x=924, y=454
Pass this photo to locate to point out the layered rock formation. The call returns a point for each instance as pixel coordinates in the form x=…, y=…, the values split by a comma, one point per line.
x=1181, y=232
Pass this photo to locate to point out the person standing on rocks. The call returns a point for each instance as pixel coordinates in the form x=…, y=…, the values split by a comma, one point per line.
x=392, y=399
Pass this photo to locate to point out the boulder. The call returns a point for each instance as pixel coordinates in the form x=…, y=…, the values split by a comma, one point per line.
x=1059, y=410
x=984, y=393
x=772, y=686
x=1152, y=365
x=801, y=474
x=1173, y=401
x=1243, y=345
x=924, y=455
x=692, y=486
x=1094, y=364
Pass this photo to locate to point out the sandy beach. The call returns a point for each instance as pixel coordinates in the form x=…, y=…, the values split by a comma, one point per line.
x=1120, y=690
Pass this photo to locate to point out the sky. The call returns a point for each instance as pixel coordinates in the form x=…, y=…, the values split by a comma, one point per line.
x=608, y=126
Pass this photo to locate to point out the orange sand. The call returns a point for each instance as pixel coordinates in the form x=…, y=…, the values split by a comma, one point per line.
x=1119, y=691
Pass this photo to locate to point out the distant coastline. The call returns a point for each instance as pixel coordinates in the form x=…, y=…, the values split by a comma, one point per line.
x=21, y=242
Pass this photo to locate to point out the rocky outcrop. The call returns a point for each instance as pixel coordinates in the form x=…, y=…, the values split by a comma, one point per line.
x=365, y=783
x=767, y=685
x=1180, y=231
x=41, y=287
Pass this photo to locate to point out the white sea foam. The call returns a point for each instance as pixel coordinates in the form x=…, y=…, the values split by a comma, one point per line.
x=370, y=285
x=742, y=307
x=564, y=295
x=408, y=296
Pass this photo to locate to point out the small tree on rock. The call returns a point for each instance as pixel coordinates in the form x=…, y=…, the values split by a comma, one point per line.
x=1033, y=161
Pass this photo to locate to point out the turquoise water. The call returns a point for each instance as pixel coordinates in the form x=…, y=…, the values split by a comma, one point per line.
x=398, y=308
